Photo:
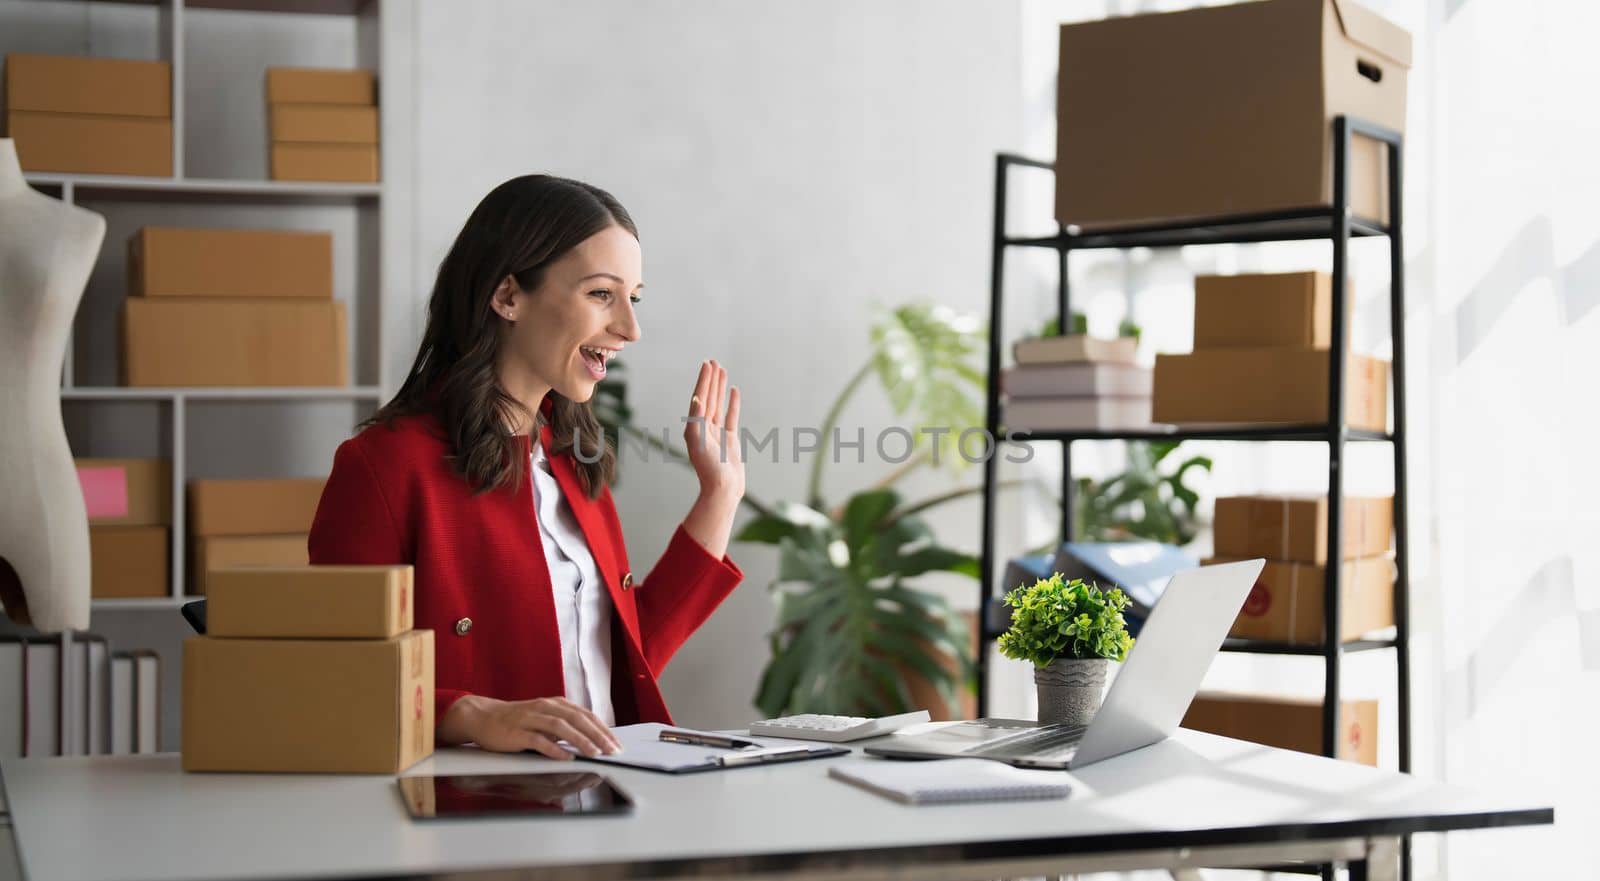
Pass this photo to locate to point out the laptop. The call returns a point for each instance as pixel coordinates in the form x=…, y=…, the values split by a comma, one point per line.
x=1147, y=700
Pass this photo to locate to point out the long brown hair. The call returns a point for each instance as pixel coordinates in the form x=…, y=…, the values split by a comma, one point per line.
x=519, y=229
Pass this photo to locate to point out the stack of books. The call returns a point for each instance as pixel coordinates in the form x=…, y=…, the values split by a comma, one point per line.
x=1076, y=382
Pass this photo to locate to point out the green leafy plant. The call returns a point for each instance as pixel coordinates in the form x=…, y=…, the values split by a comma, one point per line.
x=852, y=623
x=1143, y=501
x=1080, y=325
x=1065, y=619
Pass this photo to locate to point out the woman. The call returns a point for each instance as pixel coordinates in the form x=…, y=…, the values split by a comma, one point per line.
x=489, y=474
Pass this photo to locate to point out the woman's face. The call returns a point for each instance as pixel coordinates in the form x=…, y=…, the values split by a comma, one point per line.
x=561, y=335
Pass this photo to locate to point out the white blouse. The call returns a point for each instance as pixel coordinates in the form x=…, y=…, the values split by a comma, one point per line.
x=583, y=607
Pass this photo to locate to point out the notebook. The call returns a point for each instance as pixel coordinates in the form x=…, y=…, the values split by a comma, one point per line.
x=946, y=781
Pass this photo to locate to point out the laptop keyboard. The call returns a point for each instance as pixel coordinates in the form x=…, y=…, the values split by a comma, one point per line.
x=1053, y=742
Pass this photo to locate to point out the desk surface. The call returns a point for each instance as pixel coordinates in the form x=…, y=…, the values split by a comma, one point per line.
x=140, y=817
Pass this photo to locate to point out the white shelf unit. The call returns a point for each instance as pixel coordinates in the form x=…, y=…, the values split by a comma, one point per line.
x=109, y=194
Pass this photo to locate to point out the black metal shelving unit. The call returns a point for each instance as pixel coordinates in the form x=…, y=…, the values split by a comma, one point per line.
x=1335, y=223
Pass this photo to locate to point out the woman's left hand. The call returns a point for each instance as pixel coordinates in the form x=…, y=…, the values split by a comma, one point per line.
x=713, y=443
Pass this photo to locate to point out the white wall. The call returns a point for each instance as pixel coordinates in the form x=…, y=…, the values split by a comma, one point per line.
x=789, y=165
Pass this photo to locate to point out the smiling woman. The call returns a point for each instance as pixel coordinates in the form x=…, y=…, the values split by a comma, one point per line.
x=490, y=476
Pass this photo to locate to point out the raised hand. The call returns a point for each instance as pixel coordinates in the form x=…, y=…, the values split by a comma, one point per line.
x=713, y=440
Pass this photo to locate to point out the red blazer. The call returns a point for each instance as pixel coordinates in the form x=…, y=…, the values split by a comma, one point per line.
x=481, y=582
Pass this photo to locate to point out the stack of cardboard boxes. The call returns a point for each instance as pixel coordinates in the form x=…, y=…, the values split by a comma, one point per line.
x=1286, y=605
x=309, y=669
x=1076, y=382
x=90, y=115
x=232, y=307
x=248, y=523
x=324, y=124
x=1261, y=355
x=129, y=502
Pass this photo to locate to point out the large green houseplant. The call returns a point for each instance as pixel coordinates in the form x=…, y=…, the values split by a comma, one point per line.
x=853, y=625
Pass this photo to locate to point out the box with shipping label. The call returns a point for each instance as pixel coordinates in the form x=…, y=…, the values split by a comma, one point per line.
x=309, y=602
x=308, y=706
x=1286, y=603
x=128, y=561
x=317, y=85
x=76, y=84
x=180, y=341
x=1282, y=386
x=348, y=163
x=80, y=144
x=274, y=506
x=126, y=492
x=1287, y=722
x=323, y=124
x=1295, y=528
x=1224, y=110
x=211, y=552
x=1288, y=310
x=172, y=262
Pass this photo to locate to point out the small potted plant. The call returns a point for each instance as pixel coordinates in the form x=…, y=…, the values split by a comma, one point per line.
x=1072, y=632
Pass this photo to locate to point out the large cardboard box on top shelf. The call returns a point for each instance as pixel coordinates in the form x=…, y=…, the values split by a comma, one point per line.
x=1224, y=110
x=129, y=561
x=174, y=262
x=1286, y=603
x=233, y=342
x=346, y=706
x=1295, y=528
x=310, y=602
x=1287, y=309
x=1287, y=722
x=213, y=552
x=126, y=492
x=73, y=114
x=77, y=84
x=1267, y=385
x=275, y=506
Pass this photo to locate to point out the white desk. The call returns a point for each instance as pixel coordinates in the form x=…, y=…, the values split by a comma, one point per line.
x=1196, y=800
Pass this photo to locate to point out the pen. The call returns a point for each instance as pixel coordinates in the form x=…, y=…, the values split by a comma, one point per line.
x=756, y=756
x=699, y=739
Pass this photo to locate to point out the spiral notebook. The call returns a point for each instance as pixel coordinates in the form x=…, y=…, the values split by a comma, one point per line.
x=947, y=781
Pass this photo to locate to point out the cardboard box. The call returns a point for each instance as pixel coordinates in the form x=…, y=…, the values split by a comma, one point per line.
x=1295, y=528
x=349, y=163
x=1223, y=110
x=1289, y=310
x=1285, y=605
x=171, y=262
x=324, y=124
x=310, y=602
x=1267, y=386
x=315, y=85
x=308, y=706
x=213, y=552
x=126, y=492
x=79, y=144
x=75, y=84
x=128, y=561
x=253, y=507
x=222, y=342
x=1287, y=723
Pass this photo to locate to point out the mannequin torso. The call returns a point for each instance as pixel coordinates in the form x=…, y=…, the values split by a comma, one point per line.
x=47, y=250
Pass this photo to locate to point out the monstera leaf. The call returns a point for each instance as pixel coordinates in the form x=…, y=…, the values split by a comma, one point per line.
x=1141, y=502
x=923, y=355
x=850, y=624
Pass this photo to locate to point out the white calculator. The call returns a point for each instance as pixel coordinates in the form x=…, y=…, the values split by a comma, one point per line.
x=834, y=729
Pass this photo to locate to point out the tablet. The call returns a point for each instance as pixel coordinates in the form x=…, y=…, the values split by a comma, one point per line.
x=541, y=794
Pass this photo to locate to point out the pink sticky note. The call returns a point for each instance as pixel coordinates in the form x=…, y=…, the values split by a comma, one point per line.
x=105, y=491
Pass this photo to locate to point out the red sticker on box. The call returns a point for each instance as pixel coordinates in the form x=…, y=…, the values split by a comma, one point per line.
x=1258, y=602
x=105, y=491
x=418, y=701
